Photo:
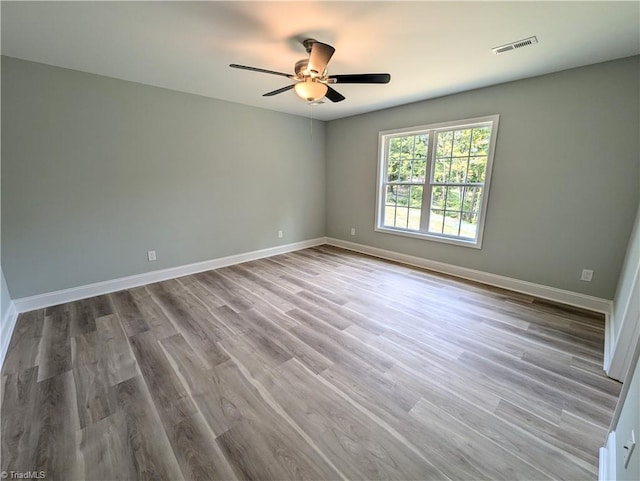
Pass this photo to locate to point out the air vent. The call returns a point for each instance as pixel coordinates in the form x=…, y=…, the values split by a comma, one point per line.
x=515, y=45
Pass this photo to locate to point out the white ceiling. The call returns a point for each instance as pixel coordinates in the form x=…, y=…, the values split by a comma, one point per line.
x=429, y=48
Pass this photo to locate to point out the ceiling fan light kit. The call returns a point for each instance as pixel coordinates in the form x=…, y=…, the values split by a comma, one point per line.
x=311, y=75
x=311, y=90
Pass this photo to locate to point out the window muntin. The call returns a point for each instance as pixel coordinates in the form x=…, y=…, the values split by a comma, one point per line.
x=434, y=180
x=406, y=171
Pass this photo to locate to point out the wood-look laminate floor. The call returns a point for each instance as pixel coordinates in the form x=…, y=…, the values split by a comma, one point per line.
x=319, y=364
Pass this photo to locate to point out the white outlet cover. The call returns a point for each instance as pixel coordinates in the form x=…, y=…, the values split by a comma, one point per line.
x=587, y=275
x=151, y=255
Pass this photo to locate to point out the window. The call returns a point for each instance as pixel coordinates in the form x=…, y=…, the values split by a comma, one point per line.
x=433, y=181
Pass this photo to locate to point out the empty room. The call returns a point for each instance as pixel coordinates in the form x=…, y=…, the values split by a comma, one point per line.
x=320, y=240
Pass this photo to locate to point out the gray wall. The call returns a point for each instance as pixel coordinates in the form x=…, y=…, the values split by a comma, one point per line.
x=629, y=420
x=96, y=171
x=6, y=318
x=627, y=415
x=627, y=277
x=565, y=183
x=5, y=301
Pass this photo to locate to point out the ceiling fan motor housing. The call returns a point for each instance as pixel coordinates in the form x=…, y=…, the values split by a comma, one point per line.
x=308, y=44
x=301, y=68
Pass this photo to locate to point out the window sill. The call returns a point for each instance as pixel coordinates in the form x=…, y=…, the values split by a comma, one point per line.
x=475, y=244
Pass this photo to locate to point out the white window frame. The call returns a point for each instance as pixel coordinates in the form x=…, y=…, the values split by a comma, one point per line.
x=383, y=149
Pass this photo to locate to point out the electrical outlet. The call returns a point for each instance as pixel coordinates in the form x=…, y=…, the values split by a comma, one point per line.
x=628, y=448
x=280, y=234
x=353, y=231
x=587, y=275
x=151, y=255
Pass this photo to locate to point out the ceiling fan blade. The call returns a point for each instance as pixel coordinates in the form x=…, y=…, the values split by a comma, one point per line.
x=319, y=57
x=279, y=91
x=261, y=70
x=361, y=78
x=334, y=95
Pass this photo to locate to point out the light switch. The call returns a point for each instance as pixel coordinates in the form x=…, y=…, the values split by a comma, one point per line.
x=628, y=448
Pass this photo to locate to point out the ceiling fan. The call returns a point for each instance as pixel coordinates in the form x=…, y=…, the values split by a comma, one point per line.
x=311, y=77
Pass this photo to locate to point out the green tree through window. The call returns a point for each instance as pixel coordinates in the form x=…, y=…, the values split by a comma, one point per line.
x=434, y=179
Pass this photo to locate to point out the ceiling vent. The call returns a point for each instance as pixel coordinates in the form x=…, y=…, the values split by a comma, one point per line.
x=527, y=42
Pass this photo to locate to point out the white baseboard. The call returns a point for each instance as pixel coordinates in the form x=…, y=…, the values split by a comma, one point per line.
x=40, y=301
x=607, y=459
x=609, y=339
x=620, y=346
x=48, y=299
x=602, y=464
x=537, y=290
x=8, y=325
